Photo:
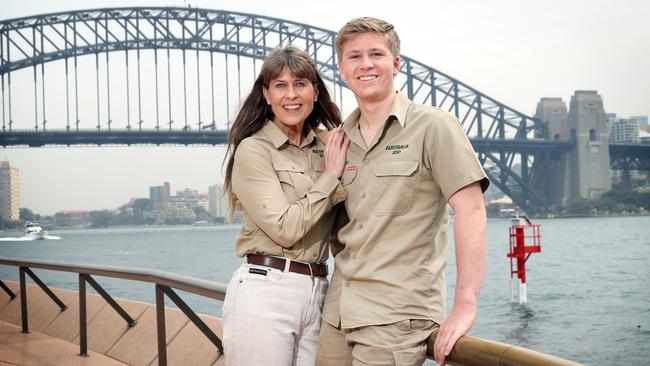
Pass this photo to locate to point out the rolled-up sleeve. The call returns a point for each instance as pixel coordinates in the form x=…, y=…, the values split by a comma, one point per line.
x=258, y=190
x=451, y=156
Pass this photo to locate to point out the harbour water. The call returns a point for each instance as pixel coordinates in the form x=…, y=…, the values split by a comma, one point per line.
x=588, y=292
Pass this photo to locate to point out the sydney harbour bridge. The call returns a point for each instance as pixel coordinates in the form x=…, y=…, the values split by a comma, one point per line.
x=158, y=76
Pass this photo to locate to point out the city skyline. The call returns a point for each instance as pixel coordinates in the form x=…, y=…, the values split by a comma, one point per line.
x=514, y=52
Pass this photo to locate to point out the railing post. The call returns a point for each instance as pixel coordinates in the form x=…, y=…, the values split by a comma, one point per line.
x=129, y=321
x=45, y=289
x=23, y=300
x=83, y=335
x=171, y=294
x=7, y=290
x=160, y=329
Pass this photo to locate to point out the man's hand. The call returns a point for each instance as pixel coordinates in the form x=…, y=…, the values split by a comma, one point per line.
x=456, y=325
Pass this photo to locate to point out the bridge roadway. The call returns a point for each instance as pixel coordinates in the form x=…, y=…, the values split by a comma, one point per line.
x=31, y=138
x=219, y=137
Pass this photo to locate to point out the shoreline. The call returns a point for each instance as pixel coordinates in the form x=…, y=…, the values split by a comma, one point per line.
x=490, y=217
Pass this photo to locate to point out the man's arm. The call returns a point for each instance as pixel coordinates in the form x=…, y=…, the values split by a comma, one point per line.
x=471, y=254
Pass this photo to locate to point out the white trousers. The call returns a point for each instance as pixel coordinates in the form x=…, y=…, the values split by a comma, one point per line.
x=272, y=317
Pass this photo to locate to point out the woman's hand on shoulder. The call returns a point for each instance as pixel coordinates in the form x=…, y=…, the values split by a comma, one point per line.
x=336, y=149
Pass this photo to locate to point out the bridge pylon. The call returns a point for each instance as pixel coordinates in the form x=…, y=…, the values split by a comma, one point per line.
x=583, y=172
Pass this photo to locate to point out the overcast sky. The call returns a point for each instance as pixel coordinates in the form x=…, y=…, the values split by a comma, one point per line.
x=514, y=51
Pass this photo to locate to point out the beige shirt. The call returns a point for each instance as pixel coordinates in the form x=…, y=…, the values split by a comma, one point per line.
x=284, y=195
x=393, y=265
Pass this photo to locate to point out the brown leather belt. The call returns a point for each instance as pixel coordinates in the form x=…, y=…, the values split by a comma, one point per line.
x=309, y=269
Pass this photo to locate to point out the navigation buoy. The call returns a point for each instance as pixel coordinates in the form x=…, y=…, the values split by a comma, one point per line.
x=524, y=240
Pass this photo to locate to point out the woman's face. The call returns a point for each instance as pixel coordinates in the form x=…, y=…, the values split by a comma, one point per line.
x=291, y=99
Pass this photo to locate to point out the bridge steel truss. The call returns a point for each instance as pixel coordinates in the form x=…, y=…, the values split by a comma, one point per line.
x=34, y=41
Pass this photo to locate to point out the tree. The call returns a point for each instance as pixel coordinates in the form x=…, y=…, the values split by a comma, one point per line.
x=27, y=215
x=8, y=224
x=140, y=206
x=103, y=218
x=579, y=206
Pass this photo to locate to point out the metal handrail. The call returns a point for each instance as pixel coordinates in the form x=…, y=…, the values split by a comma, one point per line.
x=472, y=351
x=164, y=282
x=190, y=284
x=468, y=351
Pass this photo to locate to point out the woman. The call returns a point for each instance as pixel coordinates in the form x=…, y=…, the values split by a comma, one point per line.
x=284, y=178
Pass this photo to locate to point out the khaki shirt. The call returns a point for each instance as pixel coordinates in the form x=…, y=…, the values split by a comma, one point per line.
x=284, y=195
x=393, y=265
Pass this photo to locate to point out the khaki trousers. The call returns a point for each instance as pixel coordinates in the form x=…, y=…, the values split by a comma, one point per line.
x=397, y=344
x=272, y=318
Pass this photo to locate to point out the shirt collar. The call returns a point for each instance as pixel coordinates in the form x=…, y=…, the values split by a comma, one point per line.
x=278, y=138
x=311, y=136
x=398, y=110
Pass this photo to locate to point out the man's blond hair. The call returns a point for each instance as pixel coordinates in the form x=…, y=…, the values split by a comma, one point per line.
x=358, y=26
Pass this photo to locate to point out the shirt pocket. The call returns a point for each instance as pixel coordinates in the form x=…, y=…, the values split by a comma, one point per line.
x=318, y=165
x=394, y=187
x=295, y=183
x=349, y=174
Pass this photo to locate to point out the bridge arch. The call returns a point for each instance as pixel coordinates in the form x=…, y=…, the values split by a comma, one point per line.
x=37, y=40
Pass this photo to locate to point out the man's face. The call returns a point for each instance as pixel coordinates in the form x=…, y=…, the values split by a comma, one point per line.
x=368, y=67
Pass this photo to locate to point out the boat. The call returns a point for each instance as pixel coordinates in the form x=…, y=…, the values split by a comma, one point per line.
x=34, y=231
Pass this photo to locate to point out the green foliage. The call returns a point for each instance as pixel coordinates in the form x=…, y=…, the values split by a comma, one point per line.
x=9, y=224
x=27, y=215
x=103, y=218
x=140, y=206
x=579, y=206
x=619, y=200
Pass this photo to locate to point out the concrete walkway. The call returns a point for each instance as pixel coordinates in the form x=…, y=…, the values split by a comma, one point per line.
x=54, y=334
x=38, y=349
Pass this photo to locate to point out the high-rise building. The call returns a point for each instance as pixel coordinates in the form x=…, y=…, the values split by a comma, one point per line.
x=9, y=192
x=159, y=195
x=218, y=202
x=188, y=194
x=204, y=202
x=624, y=131
x=642, y=121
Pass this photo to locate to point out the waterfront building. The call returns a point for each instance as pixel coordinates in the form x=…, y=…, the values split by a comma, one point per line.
x=642, y=121
x=624, y=131
x=644, y=137
x=9, y=191
x=204, y=202
x=188, y=194
x=72, y=219
x=160, y=195
x=218, y=202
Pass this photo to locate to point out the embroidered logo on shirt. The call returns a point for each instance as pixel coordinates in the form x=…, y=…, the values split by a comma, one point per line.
x=318, y=152
x=351, y=168
x=258, y=271
x=396, y=148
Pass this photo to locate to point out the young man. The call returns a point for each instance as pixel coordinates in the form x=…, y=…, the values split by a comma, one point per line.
x=405, y=163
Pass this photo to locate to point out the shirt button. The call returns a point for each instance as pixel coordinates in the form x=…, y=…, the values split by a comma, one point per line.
x=365, y=162
x=347, y=284
x=363, y=195
x=354, y=257
x=360, y=226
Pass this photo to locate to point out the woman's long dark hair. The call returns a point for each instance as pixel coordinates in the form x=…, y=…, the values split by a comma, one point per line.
x=255, y=111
